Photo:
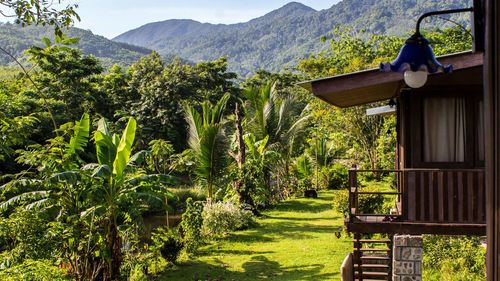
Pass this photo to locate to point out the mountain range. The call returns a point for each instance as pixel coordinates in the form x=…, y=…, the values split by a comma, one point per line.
x=274, y=42
x=280, y=38
x=15, y=39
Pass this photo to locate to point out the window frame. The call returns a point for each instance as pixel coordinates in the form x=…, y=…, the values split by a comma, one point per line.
x=415, y=122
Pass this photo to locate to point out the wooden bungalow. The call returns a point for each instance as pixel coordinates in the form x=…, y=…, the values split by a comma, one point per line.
x=439, y=171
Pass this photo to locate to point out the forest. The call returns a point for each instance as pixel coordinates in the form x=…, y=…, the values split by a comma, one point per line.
x=88, y=154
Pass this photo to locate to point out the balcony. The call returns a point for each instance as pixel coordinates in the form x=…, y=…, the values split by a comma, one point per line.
x=426, y=201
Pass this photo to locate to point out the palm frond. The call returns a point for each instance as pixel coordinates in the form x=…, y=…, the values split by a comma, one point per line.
x=195, y=127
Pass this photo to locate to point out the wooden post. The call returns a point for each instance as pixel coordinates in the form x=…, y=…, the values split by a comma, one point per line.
x=492, y=138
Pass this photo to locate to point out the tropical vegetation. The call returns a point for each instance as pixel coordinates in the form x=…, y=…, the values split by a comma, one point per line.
x=89, y=157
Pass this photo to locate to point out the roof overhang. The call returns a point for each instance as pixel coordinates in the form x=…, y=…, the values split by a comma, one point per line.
x=372, y=85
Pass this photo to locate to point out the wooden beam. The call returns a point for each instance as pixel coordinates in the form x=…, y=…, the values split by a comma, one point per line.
x=416, y=228
x=492, y=138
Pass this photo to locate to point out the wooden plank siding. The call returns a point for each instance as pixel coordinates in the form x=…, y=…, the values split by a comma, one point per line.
x=444, y=196
x=433, y=201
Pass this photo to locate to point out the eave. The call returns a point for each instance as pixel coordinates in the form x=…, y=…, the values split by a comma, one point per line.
x=372, y=85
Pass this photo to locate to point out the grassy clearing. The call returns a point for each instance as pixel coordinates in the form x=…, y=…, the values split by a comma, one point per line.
x=294, y=241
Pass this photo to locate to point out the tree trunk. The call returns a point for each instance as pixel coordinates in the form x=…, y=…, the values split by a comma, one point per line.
x=114, y=243
x=238, y=185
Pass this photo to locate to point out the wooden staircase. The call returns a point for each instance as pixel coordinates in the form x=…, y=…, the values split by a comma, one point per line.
x=372, y=259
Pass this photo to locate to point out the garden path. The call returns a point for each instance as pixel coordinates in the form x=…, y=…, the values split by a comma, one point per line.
x=294, y=241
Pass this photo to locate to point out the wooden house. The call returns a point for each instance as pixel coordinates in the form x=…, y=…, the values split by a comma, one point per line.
x=439, y=171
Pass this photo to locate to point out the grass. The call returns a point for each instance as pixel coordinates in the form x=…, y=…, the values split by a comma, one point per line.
x=294, y=241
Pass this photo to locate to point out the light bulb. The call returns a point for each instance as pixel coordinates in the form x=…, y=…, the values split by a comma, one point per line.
x=415, y=79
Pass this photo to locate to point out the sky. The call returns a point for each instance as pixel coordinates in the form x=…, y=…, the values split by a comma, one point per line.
x=113, y=17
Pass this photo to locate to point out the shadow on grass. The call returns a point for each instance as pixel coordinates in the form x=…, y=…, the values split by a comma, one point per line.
x=257, y=268
x=238, y=252
x=278, y=229
x=305, y=205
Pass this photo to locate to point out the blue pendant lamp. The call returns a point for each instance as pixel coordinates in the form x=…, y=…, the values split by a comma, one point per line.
x=416, y=58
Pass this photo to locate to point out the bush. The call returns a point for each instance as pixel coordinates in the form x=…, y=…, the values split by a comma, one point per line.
x=168, y=243
x=453, y=258
x=337, y=176
x=368, y=204
x=137, y=274
x=220, y=218
x=33, y=270
x=191, y=224
x=341, y=202
x=23, y=235
x=183, y=194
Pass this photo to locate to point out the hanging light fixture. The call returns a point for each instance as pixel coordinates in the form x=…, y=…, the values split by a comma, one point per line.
x=416, y=58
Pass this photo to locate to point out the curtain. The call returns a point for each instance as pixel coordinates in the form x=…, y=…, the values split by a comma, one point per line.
x=444, y=129
x=480, y=131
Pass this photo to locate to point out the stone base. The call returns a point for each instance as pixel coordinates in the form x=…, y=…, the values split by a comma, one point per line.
x=407, y=258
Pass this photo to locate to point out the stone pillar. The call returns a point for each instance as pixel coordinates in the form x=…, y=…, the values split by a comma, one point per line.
x=407, y=258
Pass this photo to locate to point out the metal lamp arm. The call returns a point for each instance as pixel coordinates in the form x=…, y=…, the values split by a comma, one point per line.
x=453, y=11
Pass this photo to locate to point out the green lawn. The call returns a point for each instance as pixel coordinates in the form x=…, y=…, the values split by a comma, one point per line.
x=294, y=241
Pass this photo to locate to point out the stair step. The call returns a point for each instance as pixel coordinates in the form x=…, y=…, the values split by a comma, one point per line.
x=375, y=258
x=371, y=250
x=373, y=274
x=371, y=241
x=373, y=265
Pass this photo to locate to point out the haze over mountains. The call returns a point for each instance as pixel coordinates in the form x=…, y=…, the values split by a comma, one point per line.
x=273, y=42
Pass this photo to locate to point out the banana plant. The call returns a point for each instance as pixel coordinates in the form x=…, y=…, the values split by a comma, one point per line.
x=42, y=193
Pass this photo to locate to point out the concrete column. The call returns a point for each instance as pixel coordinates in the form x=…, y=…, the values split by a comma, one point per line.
x=407, y=258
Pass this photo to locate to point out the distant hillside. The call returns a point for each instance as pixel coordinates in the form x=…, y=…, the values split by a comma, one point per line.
x=282, y=37
x=15, y=40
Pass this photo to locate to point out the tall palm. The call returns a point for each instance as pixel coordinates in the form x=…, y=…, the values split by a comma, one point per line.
x=280, y=118
x=207, y=140
x=322, y=156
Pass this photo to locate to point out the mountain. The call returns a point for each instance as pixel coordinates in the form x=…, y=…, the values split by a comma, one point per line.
x=15, y=39
x=280, y=38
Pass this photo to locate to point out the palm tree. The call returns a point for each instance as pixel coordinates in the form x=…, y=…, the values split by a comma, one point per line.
x=207, y=140
x=322, y=156
x=280, y=119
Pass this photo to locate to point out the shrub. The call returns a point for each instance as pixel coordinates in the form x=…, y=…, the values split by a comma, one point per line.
x=183, y=194
x=453, y=258
x=24, y=236
x=338, y=176
x=368, y=204
x=33, y=270
x=219, y=218
x=341, y=202
x=191, y=224
x=137, y=274
x=168, y=243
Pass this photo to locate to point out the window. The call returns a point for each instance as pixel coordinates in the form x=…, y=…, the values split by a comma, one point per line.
x=444, y=129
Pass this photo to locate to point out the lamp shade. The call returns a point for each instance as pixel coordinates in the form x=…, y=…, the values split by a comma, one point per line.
x=416, y=55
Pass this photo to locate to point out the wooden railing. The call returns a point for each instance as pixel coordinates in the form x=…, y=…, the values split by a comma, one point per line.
x=447, y=196
x=429, y=195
